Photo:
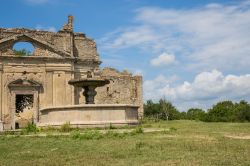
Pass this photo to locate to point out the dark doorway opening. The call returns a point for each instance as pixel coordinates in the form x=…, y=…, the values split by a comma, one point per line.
x=24, y=111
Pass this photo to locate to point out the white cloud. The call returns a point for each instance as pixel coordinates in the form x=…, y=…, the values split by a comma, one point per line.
x=212, y=36
x=163, y=60
x=207, y=87
x=137, y=72
x=50, y=28
x=130, y=37
x=153, y=88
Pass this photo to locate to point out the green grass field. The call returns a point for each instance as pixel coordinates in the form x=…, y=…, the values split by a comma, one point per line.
x=180, y=143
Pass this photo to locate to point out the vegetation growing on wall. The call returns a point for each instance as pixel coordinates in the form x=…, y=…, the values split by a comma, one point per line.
x=22, y=52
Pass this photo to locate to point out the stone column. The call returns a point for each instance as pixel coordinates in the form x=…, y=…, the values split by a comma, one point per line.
x=36, y=106
x=12, y=109
x=49, y=88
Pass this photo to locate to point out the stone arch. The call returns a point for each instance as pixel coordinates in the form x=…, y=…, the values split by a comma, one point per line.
x=42, y=48
x=23, y=48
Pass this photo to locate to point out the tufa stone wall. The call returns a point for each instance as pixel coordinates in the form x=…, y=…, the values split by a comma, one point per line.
x=57, y=58
x=122, y=89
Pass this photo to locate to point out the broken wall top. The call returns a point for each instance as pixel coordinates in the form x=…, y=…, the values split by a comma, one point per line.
x=62, y=44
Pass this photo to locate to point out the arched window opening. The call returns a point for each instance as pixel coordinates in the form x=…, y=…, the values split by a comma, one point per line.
x=23, y=49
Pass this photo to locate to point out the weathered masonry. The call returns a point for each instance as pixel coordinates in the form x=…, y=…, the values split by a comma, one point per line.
x=34, y=88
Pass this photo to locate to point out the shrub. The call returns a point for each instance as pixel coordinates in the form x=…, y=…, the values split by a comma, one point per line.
x=75, y=134
x=113, y=134
x=172, y=129
x=91, y=134
x=137, y=130
x=22, y=52
x=139, y=145
x=31, y=128
x=49, y=128
x=65, y=127
x=111, y=126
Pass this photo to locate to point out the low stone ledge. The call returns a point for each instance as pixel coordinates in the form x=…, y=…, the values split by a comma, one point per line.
x=97, y=115
x=89, y=106
x=82, y=124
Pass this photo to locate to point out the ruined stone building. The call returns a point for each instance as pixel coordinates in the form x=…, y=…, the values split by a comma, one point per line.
x=32, y=83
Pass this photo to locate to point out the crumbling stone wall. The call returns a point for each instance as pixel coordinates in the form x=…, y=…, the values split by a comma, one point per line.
x=122, y=89
x=51, y=44
x=57, y=58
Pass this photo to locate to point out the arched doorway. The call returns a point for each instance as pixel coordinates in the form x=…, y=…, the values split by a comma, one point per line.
x=24, y=104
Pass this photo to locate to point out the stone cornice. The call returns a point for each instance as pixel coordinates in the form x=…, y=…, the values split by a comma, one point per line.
x=40, y=59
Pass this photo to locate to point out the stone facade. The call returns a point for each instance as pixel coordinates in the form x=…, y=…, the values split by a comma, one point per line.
x=57, y=58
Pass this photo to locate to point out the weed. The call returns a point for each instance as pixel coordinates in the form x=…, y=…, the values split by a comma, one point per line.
x=30, y=128
x=49, y=128
x=196, y=143
x=172, y=129
x=111, y=126
x=11, y=132
x=147, y=125
x=91, y=134
x=113, y=134
x=65, y=127
x=139, y=145
x=137, y=130
x=75, y=134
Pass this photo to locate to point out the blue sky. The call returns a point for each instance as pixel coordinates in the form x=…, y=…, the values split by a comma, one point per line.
x=194, y=53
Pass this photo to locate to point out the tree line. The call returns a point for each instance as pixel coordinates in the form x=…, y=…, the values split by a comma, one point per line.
x=224, y=111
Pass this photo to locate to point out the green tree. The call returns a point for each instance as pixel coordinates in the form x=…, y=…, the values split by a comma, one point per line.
x=161, y=110
x=222, y=112
x=242, y=110
x=168, y=111
x=183, y=115
x=151, y=109
x=196, y=114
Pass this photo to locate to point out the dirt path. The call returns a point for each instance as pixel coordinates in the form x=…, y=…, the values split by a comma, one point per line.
x=238, y=136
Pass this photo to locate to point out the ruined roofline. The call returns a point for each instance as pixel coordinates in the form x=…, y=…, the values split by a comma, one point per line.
x=115, y=72
x=52, y=59
x=64, y=43
x=28, y=30
x=66, y=28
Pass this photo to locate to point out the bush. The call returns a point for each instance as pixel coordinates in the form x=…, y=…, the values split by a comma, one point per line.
x=172, y=129
x=91, y=134
x=22, y=52
x=111, y=126
x=112, y=134
x=242, y=111
x=86, y=135
x=75, y=134
x=139, y=145
x=137, y=130
x=31, y=128
x=65, y=127
x=49, y=128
